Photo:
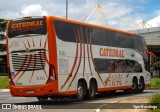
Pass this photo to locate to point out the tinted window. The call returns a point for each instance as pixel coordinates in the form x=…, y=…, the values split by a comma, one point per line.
x=124, y=40
x=100, y=37
x=117, y=66
x=135, y=43
x=69, y=32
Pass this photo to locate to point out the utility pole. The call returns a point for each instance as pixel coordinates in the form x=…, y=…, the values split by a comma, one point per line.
x=66, y=9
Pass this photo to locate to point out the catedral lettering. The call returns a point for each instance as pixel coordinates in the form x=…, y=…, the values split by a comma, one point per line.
x=111, y=52
x=27, y=24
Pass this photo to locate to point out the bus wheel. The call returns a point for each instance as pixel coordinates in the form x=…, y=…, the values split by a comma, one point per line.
x=42, y=98
x=134, y=86
x=91, y=90
x=141, y=85
x=80, y=89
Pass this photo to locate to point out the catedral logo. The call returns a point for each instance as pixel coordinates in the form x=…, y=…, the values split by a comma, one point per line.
x=27, y=24
x=111, y=52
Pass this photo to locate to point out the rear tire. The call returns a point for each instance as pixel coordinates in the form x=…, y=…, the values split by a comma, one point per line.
x=134, y=86
x=81, y=90
x=91, y=91
x=42, y=98
x=141, y=86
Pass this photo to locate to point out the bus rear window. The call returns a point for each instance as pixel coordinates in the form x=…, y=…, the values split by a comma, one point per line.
x=27, y=26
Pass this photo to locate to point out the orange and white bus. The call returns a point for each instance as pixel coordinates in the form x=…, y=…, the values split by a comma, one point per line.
x=50, y=56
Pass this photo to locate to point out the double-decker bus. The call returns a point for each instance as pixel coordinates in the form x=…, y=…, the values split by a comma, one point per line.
x=50, y=56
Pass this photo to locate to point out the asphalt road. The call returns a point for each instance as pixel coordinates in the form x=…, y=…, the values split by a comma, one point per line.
x=68, y=105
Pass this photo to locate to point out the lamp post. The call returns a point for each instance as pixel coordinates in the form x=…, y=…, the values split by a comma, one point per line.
x=66, y=9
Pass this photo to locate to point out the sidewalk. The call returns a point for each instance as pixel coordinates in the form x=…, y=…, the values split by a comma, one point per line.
x=4, y=90
x=130, y=100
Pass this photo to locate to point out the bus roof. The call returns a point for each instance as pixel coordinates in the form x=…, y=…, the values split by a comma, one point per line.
x=78, y=22
x=91, y=25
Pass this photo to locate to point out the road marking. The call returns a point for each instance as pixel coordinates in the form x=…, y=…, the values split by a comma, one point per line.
x=98, y=110
x=114, y=102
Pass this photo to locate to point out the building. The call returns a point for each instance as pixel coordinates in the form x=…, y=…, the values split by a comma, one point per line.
x=152, y=37
x=3, y=57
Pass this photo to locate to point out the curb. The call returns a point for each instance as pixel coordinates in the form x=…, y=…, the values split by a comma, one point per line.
x=4, y=90
x=152, y=88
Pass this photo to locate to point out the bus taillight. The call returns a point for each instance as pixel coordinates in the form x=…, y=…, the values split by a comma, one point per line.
x=10, y=77
x=51, y=74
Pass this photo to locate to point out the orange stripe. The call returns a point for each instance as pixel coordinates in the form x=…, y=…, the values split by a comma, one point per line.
x=40, y=42
x=42, y=63
x=83, y=50
x=147, y=84
x=33, y=42
x=20, y=76
x=7, y=44
x=88, y=54
x=21, y=66
x=25, y=68
x=28, y=43
x=74, y=63
x=68, y=93
x=79, y=59
x=33, y=68
x=45, y=50
x=24, y=45
x=45, y=43
x=94, y=62
x=46, y=57
x=114, y=88
x=52, y=45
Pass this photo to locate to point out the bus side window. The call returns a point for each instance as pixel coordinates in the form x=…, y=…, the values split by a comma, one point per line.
x=111, y=67
x=138, y=67
x=128, y=66
x=117, y=68
x=135, y=43
x=121, y=65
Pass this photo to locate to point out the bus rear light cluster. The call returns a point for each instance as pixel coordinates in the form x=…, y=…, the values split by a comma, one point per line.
x=51, y=74
x=10, y=77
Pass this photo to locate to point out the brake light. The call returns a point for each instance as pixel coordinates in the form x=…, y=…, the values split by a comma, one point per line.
x=51, y=74
x=27, y=17
x=10, y=77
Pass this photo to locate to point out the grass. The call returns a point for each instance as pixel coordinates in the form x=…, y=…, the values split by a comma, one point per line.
x=4, y=82
x=155, y=82
x=155, y=101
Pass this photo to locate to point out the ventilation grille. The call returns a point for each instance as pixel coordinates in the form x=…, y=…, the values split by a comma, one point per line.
x=28, y=60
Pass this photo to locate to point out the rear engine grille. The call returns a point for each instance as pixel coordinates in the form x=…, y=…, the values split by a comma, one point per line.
x=28, y=60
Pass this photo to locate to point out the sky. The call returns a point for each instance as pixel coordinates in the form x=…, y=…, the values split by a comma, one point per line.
x=120, y=14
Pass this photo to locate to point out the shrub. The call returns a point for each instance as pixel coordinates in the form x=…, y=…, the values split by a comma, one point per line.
x=155, y=100
x=155, y=82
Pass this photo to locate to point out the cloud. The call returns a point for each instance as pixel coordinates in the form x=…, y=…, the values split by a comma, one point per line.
x=34, y=10
x=78, y=8
x=154, y=22
x=10, y=14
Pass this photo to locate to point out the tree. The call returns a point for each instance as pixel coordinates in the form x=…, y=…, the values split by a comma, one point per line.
x=3, y=24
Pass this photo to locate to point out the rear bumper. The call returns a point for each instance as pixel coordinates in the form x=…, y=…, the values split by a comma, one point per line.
x=147, y=85
x=47, y=89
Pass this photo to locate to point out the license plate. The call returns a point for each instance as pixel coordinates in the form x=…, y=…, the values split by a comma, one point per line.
x=30, y=92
